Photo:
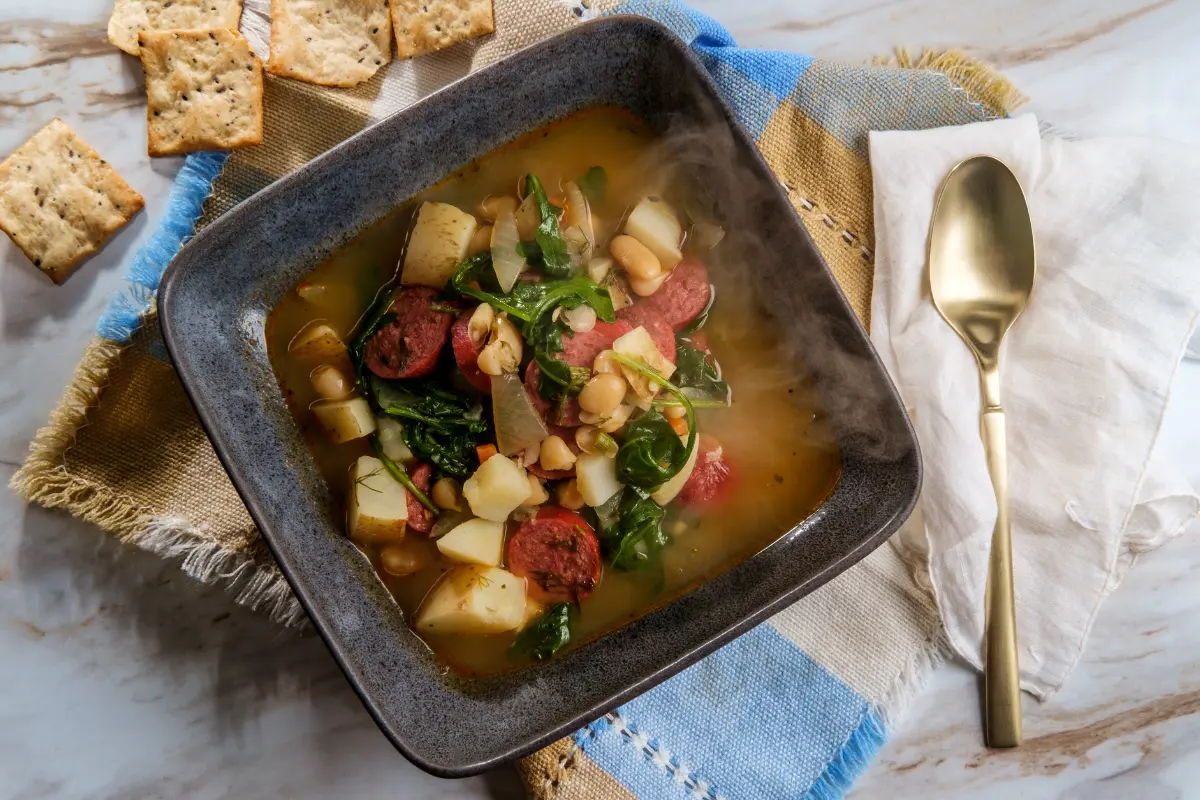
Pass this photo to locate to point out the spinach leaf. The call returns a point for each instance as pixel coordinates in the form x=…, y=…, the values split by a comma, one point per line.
x=440, y=426
x=547, y=636
x=694, y=369
x=607, y=515
x=529, y=251
x=556, y=258
x=637, y=538
x=379, y=316
x=594, y=184
x=401, y=476
x=651, y=453
x=529, y=301
x=476, y=278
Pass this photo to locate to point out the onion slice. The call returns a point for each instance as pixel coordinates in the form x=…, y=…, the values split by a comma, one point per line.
x=506, y=261
x=518, y=423
x=579, y=213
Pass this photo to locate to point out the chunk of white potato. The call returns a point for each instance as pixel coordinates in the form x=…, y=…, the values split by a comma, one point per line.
x=496, y=488
x=378, y=503
x=669, y=490
x=653, y=223
x=345, y=420
x=474, y=599
x=317, y=341
x=596, y=478
x=638, y=346
x=439, y=241
x=391, y=440
x=476, y=541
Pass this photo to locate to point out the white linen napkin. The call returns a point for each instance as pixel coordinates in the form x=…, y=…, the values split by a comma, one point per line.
x=1086, y=372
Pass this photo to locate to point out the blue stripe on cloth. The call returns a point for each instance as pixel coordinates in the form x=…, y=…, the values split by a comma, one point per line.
x=184, y=205
x=754, y=82
x=757, y=719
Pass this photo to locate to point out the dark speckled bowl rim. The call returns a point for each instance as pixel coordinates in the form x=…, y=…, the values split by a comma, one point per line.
x=908, y=475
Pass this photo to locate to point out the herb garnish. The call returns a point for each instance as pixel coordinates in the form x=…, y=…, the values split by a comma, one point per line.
x=397, y=472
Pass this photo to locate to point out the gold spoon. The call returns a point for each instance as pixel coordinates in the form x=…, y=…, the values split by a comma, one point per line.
x=981, y=267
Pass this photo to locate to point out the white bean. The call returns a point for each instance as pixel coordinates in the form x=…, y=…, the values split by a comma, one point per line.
x=568, y=496
x=555, y=455
x=330, y=383
x=480, y=324
x=635, y=257
x=446, y=494
x=645, y=288
x=603, y=393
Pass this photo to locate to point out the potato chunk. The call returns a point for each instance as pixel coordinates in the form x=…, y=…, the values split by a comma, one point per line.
x=345, y=420
x=318, y=341
x=653, y=223
x=474, y=599
x=476, y=541
x=378, y=503
x=596, y=477
x=638, y=346
x=439, y=241
x=496, y=489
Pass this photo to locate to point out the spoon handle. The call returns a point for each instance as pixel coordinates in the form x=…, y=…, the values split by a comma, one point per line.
x=1001, y=674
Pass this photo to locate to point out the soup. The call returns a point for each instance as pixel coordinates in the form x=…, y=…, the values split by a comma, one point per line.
x=545, y=397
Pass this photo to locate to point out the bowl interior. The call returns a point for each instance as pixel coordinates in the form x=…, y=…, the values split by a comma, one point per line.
x=218, y=291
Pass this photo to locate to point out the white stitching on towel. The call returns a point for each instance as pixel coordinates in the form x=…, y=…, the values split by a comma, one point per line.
x=662, y=758
x=849, y=237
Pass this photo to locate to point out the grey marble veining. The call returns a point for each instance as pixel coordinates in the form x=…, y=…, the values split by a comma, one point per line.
x=121, y=678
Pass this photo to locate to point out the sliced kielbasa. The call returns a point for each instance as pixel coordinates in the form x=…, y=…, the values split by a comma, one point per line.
x=420, y=518
x=466, y=352
x=579, y=350
x=643, y=316
x=712, y=477
x=684, y=295
x=409, y=346
x=558, y=552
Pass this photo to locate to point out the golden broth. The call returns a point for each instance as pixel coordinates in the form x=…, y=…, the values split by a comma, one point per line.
x=784, y=461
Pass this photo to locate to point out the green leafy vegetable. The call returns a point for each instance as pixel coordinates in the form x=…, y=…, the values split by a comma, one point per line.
x=694, y=369
x=529, y=301
x=637, y=538
x=607, y=515
x=440, y=426
x=651, y=453
x=547, y=636
x=397, y=472
x=379, y=316
x=594, y=184
x=556, y=258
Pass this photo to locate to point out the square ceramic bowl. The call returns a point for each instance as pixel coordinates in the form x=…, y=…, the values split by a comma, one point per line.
x=216, y=295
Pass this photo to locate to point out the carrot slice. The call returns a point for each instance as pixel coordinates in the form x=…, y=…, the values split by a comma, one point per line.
x=485, y=451
x=679, y=426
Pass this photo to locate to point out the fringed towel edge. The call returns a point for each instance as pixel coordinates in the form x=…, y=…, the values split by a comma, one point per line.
x=980, y=80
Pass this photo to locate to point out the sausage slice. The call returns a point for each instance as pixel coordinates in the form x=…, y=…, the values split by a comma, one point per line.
x=558, y=552
x=409, y=346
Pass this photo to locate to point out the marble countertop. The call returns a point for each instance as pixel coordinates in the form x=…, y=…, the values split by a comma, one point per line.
x=121, y=678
